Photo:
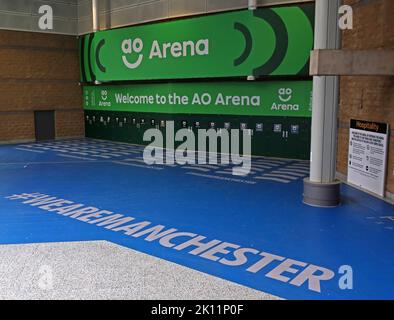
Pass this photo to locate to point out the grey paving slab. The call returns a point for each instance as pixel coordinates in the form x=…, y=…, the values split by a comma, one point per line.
x=103, y=270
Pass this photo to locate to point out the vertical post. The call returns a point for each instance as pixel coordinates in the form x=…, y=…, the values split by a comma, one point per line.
x=96, y=21
x=95, y=16
x=321, y=188
x=252, y=4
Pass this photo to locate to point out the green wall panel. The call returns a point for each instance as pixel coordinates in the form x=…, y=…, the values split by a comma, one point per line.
x=279, y=123
x=292, y=140
x=259, y=98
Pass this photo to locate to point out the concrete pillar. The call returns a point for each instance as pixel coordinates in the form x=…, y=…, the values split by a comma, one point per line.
x=252, y=4
x=96, y=21
x=321, y=188
x=95, y=16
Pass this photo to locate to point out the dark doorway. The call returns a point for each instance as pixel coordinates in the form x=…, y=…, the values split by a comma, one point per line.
x=44, y=122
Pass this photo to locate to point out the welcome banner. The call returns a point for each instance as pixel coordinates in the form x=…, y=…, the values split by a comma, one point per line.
x=261, y=42
x=276, y=98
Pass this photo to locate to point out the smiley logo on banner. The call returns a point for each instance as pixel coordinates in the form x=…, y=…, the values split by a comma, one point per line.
x=130, y=46
x=135, y=53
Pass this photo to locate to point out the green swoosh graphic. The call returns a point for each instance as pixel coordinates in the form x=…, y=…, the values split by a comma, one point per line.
x=272, y=18
x=248, y=43
x=300, y=41
x=97, y=55
x=90, y=55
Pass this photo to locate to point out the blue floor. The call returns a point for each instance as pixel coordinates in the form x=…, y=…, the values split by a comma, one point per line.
x=261, y=211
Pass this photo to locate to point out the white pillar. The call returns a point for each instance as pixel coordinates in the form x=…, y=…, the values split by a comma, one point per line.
x=252, y=4
x=96, y=21
x=95, y=16
x=321, y=189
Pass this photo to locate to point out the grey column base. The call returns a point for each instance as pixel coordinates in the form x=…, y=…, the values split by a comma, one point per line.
x=322, y=194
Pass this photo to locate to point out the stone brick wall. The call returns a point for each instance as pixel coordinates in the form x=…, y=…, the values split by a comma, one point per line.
x=38, y=72
x=367, y=98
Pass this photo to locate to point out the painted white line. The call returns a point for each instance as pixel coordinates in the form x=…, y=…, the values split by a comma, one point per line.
x=297, y=174
x=223, y=172
x=100, y=156
x=135, y=160
x=143, y=161
x=195, y=168
x=273, y=179
x=266, y=164
x=137, y=165
x=300, y=165
x=280, y=176
x=240, y=170
x=126, y=153
x=111, y=154
x=75, y=157
x=221, y=178
x=109, y=150
x=119, y=143
x=245, y=173
x=296, y=169
x=56, y=148
x=261, y=166
x=93, y=150
x=30, y=150
x=25, y=146
x=81, y=153
x=231, y=172
x=69, y=149
x=61, y=151
x=43, y=148
x=259, y=169
x=262, y=161
x=207, y=166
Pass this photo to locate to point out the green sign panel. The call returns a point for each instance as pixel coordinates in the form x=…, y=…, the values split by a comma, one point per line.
x=273, y=98
x=263, y=42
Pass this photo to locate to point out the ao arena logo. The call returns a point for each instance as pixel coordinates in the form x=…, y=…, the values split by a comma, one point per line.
x=262, y=42
x=175, y=49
